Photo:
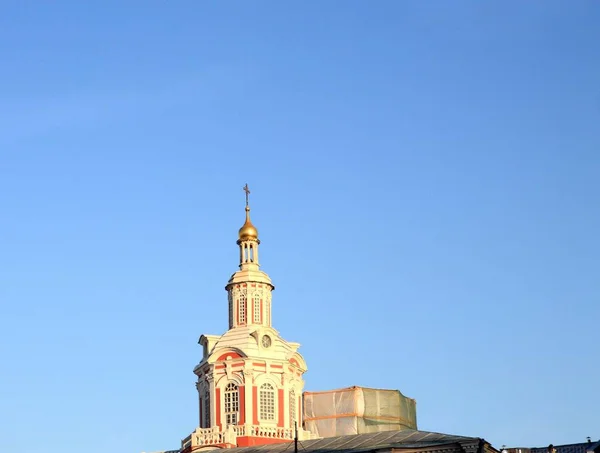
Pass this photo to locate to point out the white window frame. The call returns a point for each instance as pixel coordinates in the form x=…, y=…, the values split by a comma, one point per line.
x=242, y=309
x=257, y=308
x=293, y=410
x=206, y=414
x=230, y=300
x=267, y=406
x=268, y=311
x=231, y=404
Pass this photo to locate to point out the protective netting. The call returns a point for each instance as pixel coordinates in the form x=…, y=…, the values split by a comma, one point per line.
x=357, y=410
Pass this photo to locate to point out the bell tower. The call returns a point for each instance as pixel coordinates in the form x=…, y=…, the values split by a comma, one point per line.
x=249, y=379
x=249, y=304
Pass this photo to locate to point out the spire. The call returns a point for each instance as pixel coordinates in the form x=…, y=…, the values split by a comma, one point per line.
x=248, y=232
x=248, y=238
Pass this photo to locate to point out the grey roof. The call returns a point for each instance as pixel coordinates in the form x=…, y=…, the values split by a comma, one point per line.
x=582, y=447
x=408, y=438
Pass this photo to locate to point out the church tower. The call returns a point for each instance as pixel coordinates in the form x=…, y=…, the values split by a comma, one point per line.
x=249, y=379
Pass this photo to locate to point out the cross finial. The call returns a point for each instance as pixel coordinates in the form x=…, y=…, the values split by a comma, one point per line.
x=247, y=192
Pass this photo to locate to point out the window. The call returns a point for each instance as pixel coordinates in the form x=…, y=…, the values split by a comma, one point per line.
x=230, y=300
x=267, y=312
x=207, y=409
x=256, y=309
x=242, y=309
x=231, y=404
x=292, y=408
x=267, y=402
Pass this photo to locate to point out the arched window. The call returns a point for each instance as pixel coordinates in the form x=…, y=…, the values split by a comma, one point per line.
x=207, y=409
x=256, y=308
x=232, y=404
x=292, y=408
x=242, y=309
x=267, y=402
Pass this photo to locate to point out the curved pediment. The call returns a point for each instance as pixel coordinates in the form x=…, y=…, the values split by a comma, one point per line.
x=227, y=353
x=298, y=361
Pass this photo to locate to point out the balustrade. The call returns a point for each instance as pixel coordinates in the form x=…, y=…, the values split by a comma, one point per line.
x=212, y=436
x=240, y=430
x=273, y=432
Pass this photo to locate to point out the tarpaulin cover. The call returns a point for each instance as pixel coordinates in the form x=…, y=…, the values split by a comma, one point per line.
x=357, y=410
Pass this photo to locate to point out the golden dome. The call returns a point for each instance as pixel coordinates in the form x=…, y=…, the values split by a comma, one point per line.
x=248, y=231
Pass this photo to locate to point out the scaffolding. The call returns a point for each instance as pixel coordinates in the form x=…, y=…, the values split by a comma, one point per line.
x=357, y=410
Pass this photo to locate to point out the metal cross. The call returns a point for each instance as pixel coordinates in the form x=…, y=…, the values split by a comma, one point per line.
x=247, y=192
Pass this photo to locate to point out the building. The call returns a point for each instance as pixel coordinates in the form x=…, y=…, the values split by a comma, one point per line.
x=582, y=447
x=249, y=379
x=357, y=410
x=405, y=441
x=250, y=388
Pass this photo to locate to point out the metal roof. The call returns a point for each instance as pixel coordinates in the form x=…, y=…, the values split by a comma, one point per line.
x=408, y=438
x=582, y=447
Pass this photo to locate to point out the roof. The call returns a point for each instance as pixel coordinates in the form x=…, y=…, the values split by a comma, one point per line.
x=582, y=447
x=408, y=438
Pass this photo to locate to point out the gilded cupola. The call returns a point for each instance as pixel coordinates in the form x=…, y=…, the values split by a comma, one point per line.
x=248, y=232
x=248, y=240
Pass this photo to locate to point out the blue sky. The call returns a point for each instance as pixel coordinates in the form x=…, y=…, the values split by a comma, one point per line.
x=424, y=176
